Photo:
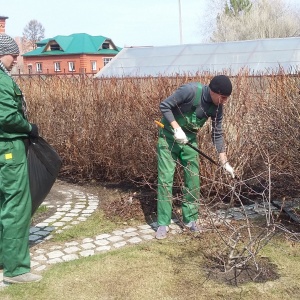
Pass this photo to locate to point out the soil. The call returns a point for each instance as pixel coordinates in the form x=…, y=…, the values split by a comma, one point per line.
x=262, y=270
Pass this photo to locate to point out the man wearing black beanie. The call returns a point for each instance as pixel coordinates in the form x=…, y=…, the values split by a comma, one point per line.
x=184, y=113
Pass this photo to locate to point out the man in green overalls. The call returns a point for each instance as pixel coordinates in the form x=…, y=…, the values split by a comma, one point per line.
x=15, y=198
x=184, y=112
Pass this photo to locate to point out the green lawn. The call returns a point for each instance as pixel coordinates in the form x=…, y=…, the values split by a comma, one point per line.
x=174, y=268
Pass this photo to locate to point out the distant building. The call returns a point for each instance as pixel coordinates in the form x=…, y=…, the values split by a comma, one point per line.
x=72, y=54
x=2, y=24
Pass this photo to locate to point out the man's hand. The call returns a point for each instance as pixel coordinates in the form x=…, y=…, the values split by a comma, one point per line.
x=34, y=131
x=228, y=168
x=180, y=136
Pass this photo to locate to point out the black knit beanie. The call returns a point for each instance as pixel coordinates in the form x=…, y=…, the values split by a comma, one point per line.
x=221, y=84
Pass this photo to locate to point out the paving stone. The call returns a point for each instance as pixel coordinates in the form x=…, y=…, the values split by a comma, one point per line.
x=103, y=236
x=34, y=263
x=118, y=232
x=63, y=209
x=70, y=257
x=33, y=229
x=88, y=246
x=66, y=219
x=101, y=242
x=72, y=215
x=87, y=211
x=115, y=238
x=51, y=220
x=34, y=238
x=74, y=211
x=79, y=206
x=54, y=261
x=86, y=253
x=55, y=254
x=58, y=224
x=40, y=268
x=56, y=247
x=131, y=229
x=135, y=240
x=119, y=244
x=145, y=231
x=41, y=225
x=87, y=240
x=130, y=234
x=49, y=228
x=40, y=257
x=92, y=207
x=59, y=214
x=40, y=251
x=42, y=233
x=72, y=249
x=103, y=248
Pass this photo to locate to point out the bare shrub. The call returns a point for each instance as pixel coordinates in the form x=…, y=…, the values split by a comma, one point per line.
x=104, y=130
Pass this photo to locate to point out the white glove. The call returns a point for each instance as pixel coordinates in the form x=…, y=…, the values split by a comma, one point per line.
x=180, y=136
x=227, y=167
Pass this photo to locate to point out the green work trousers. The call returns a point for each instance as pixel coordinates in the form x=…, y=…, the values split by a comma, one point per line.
x=15, y=208
x=169, y=152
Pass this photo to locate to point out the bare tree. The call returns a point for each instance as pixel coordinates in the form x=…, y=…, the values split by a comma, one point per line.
x=32, y=33
x=265, y=19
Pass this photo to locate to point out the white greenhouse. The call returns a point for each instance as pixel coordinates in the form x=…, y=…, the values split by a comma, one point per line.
x=263, y=56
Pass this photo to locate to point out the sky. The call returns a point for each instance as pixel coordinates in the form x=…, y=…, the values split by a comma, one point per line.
x=126, y=22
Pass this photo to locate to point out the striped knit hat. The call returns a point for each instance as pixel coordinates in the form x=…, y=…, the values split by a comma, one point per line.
x=8, y=45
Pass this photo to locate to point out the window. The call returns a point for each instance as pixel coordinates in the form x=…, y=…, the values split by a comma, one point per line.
x=29, y=68
x=39, y=68
x=57, y=66
x=71, y=66
x=93, y=65
x=106, y=60
x=54, y=47
x=105, y=46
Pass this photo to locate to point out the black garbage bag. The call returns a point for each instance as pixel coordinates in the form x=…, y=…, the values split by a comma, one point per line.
x=43, y=165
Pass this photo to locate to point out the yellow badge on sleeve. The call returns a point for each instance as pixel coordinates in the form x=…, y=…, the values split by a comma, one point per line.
x=8, y=155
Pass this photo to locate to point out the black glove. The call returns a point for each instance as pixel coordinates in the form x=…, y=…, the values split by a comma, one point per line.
x=34, y=131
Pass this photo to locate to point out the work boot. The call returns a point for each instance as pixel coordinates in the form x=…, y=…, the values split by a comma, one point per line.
x=24, y=278
x=193, y=227
x=161, y=232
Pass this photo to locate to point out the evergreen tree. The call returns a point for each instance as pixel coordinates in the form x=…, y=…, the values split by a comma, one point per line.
x=236, y=7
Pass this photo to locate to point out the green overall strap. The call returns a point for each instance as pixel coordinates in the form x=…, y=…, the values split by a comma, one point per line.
x=197, y=97
x=197, y=100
